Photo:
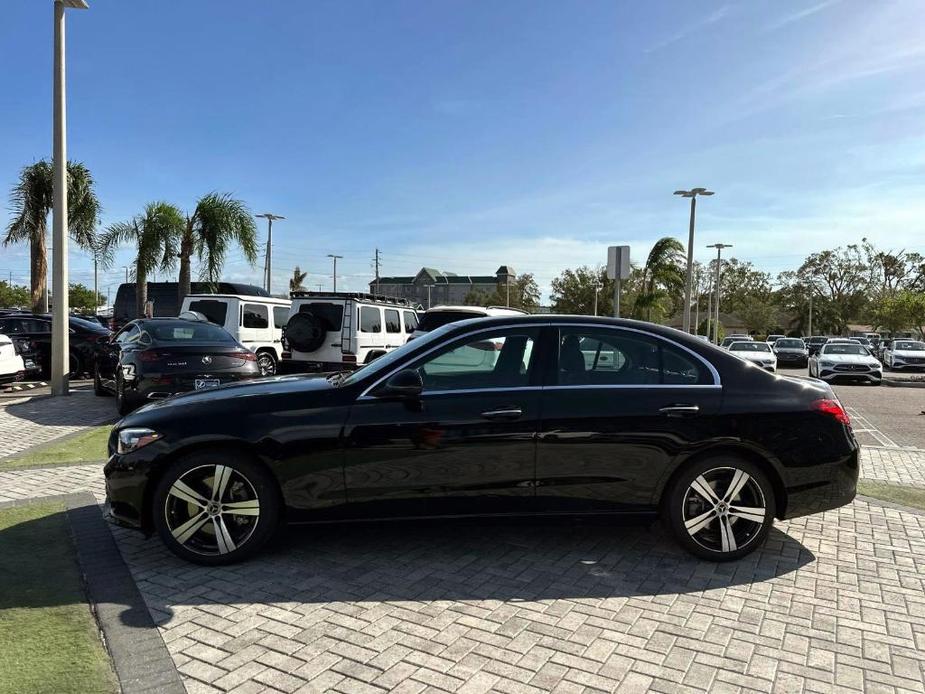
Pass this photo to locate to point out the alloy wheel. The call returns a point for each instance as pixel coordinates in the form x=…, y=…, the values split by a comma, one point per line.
x=212, y=509
x=723, y=509
x=266, y=364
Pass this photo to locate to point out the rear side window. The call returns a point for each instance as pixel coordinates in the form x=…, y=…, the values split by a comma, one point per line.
x=590, y=356
x=332, y=315
x=280, y=316
x=370, y=319
x=436, y=319
x=214, y=311
x=411, y=321
x=255, y=316
x=392, y=321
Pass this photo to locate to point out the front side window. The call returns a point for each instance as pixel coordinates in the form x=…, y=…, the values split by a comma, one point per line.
x=370, y=319
x=594, y=356
x=502, y=360
x=392, y=321
x=255, y=316
x=411, y=321
x=128, y=334
x=214, y=311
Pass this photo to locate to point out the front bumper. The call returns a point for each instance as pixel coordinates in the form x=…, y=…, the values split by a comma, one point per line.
x=830, y=374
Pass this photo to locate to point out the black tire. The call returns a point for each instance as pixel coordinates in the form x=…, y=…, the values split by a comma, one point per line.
x=176, y=514
x=98, y=384
x=729, y=532
x=266, y=362
x=124, y=404
x=305, y=332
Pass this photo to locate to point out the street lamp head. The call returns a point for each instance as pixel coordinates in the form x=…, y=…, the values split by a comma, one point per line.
x=74, y=4
x=684, y=193
x=693, y=192
x=271, y=217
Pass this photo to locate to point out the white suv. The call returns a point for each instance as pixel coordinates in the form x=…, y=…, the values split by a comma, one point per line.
x=254, y=321
x=439, y=316
x=330, y=331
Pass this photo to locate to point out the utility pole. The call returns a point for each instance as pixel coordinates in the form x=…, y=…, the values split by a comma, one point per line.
x=719, y=251
x=692, y=194
x=321, y=286
x=268, y=261
x=810, y=311
x=376, y=261
x=96, y=286
x=429, y=287
x=709, y=312
x=597, y=290
x=335, y=257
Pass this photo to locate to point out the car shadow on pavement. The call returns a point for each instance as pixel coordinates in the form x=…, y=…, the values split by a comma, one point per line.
x=507, y=560
x=80, y=408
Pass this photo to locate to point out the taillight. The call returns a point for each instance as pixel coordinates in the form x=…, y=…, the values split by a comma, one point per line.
x=150, y=355
x=249, y=356
x=349, y=359
x=832, y=408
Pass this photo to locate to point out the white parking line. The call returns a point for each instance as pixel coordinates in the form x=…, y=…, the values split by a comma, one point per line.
x=865, y=426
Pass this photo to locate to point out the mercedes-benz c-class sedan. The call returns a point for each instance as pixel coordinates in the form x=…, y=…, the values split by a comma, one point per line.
x=524, y=415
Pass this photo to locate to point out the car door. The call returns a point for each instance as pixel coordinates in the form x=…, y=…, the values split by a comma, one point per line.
x=465, y=446
x=619, y=405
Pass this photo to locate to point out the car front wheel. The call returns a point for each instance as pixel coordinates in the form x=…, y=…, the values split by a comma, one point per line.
x=215, y=508
x=720, y=508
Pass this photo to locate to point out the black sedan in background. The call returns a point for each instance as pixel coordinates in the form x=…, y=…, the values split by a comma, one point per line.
x=31, y=332
x=542, y=415
x=791, y=351
x=153, y=358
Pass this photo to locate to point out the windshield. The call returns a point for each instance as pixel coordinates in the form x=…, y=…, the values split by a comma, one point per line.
x=387, y=360
x=750, y=347
x=845, y=348
x=911, y=346
x=435, y=319
x=789, y=344
x=817, y=340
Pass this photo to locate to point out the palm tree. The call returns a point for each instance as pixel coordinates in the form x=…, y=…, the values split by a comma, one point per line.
x=156, y=232
x=295, y=282
x=218, y=221
x=662, y=279
x=32, y=200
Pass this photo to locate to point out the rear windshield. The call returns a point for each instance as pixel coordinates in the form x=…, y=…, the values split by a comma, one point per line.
x=436, y=319
x=787, y=344
x=844, y=348
x=750, y=347
x=332, y=315
x=910, y=346
x=178, y=331
x=214, y=311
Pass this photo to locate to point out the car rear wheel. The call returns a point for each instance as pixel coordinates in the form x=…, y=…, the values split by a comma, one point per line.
x=215, y=508
x=124, y=404
x=98, y=383
x=266, y=363
x=720, y=508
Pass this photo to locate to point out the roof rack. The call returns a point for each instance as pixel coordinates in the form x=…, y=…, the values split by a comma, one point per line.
x=358, y=296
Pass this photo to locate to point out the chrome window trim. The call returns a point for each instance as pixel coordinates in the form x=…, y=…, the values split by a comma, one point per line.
x=717, y=381
x=637, y=386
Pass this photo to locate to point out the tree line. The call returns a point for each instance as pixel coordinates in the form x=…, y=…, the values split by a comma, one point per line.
x=162, y=234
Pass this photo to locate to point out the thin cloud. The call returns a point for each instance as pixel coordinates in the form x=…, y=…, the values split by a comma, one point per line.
x=801, y=15
x=713, y=18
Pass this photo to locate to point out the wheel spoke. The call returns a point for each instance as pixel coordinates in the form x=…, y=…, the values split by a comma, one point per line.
x=702, y=487
x=220, y=481
x=184, y=532
x=728, y=538
x=183, y=491
x=222, y=536
x=242, y=508
x=754, y=514
x=739, y=480
x=695, y=525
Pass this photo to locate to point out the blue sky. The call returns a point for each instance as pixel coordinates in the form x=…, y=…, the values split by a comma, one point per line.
x=465, y=135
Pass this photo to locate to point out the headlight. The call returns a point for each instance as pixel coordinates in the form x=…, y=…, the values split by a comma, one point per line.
x=826, y=363
x=132, y=439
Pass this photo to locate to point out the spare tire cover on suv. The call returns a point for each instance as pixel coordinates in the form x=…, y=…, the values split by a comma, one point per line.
x=305, y=332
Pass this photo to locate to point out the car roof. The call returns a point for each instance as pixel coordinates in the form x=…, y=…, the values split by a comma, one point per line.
x=497, y=310
x=243, y=297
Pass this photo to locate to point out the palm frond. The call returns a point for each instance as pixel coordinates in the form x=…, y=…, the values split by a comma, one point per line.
x=219, y=221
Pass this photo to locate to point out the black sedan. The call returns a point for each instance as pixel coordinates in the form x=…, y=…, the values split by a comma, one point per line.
x=31, y=332
x=542, y=415
x=791, y=351
x=154, y=358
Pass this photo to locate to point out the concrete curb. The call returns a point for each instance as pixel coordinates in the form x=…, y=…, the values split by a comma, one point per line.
x=901, y=383
x=64, y=438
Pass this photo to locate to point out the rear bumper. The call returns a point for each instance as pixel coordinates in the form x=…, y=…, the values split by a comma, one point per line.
x=823, y=487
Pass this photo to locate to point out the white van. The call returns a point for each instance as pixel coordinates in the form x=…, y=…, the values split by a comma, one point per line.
x=329, y=331
x=254, y=321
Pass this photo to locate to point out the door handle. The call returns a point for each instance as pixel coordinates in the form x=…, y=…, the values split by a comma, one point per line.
x=503, y=413
x=680, y=410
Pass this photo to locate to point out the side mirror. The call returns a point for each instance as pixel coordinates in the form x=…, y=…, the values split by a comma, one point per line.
x=406, y=383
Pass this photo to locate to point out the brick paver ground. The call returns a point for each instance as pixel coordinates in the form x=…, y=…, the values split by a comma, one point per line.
x=833, y=602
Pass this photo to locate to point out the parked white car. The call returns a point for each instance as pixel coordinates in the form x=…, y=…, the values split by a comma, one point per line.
x=12, y=367
x=904, y=354
x=845, y=360
x=330, y=331
x=439, y=316
x=758, y=353
x=254, y=321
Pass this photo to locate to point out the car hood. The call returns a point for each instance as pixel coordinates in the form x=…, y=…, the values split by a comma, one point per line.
x=755, y=356
x=846, y=358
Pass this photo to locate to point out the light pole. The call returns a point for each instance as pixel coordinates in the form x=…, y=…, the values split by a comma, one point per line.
x=810, y=287
x=719, y=251
x=268, y=261
x=60, y=347
x=429, y=287
x=335, y=257
x=692, y=194
x=597, y=290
